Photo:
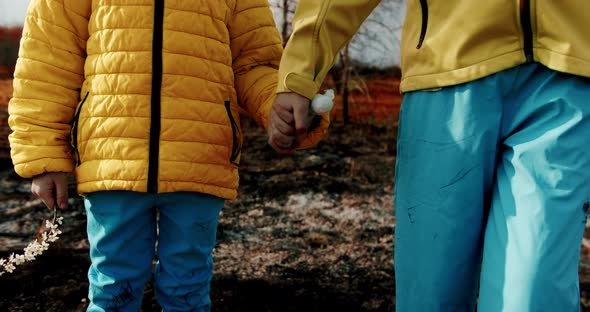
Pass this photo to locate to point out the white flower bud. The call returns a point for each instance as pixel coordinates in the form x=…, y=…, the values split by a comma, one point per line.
x=323, y=103
x=34, y=249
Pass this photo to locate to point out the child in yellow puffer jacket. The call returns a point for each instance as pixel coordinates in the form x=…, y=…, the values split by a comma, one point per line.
x=141, y=99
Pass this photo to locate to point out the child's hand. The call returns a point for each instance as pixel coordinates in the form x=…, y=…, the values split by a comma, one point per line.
x=52, y=189
x=287, y=125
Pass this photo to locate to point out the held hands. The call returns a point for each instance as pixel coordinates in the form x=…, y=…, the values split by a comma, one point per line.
x=52, y=189
x=287, y=126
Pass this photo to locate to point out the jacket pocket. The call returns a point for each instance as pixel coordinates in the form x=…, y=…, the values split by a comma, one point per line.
x=74, y=132
x=424, y=28
x=236, y=144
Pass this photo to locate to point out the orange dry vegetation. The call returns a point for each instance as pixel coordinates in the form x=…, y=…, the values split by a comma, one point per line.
x=5, y=94
x=9, y=42
x=373, y=101
x=11, y=33
x=6, y=71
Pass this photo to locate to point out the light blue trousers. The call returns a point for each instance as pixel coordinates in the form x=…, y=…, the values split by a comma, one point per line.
x=491, y=192
x=122, y=236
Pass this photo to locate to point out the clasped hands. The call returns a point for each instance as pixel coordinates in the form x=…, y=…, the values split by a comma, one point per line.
x=287, y=126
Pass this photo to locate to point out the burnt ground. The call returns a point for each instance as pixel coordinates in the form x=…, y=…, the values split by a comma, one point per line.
x=309, y=232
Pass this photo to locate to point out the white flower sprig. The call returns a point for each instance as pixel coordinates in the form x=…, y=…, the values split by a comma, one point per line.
x=35, y=248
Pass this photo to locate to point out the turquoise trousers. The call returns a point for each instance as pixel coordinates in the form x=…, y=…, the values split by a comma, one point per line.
x=491, y=193
x=122, y=236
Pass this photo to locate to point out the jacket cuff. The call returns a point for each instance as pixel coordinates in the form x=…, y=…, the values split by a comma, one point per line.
x=40, y=166
x=316, y=135
x=263, y=115
x=298, y=84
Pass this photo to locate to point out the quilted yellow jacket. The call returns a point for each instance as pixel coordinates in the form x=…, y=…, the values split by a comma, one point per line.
x=142, y=95
x=444, y=42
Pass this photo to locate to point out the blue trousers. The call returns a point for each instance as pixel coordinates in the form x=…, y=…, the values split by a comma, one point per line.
x=122, y=236
x=491, y=192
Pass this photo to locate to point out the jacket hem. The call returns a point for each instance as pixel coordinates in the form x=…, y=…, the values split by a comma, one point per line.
x=462, y=75
x=563, y=63
x=163, y=187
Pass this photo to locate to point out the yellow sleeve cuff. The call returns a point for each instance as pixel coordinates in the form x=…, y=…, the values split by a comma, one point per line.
x=301, y=85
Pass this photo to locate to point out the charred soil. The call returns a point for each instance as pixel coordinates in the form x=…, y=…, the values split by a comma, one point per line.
x=311, y=231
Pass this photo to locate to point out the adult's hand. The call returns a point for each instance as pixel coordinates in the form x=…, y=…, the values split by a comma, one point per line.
x=287, y=125
x=52, y=189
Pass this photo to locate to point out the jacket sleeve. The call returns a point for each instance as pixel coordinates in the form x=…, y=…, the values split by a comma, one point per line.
x=320, y=29
x=47, y=81
x=256, y=49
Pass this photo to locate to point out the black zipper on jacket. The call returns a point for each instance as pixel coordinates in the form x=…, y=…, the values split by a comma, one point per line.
x=75, y=129
x=235, y=147
x=155, y=124
x=424, y=5
x=527, y=29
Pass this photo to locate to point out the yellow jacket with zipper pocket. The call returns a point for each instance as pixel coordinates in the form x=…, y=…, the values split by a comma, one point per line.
x=142, y=95
x=444, y=42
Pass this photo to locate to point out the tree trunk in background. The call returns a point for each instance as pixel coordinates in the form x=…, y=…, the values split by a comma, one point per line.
x=286, y=22
x=345, y=82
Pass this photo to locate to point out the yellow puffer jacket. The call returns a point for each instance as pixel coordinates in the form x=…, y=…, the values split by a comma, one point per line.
x=142, y=95
x=444, y=42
